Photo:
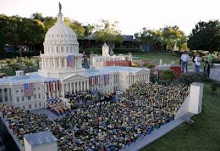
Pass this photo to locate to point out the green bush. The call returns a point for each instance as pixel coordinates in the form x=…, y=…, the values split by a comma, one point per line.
x=89, y=50
x=216, y=60
x=153, y=78
x=168, y=76
x=188, y=78
x=127, y=50
x=15, y=54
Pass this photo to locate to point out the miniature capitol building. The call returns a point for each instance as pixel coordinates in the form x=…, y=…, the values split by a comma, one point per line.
x=61, y=73
x=110, y=60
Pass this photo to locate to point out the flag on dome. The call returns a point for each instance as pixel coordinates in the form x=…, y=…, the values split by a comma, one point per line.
x=70, y=60
x=28, y=89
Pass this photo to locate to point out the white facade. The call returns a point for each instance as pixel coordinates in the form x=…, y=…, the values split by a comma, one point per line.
x=193, y=103
x=100, y=61
x=60, y=43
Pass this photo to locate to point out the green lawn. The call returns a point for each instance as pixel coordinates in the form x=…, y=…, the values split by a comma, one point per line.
x=166, y=57
x=203, y=135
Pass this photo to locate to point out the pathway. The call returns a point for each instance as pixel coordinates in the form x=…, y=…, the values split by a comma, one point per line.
x=215, y=73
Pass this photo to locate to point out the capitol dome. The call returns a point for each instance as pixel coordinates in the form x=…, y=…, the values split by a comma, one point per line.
x=60, y=39
x=61, y=57
x=60, y=33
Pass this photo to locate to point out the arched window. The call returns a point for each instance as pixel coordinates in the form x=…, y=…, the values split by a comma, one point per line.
x=52, y=49
x=61, y=49
x=57, y=49
x=67, y=49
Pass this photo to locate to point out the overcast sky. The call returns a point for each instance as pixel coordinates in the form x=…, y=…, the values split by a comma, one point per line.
x=132, y=15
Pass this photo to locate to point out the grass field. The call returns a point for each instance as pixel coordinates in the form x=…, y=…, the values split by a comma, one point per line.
x=203, y=135
x=166, y=57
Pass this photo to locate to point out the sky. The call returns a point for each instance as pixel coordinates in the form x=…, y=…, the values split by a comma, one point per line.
x=132, y=15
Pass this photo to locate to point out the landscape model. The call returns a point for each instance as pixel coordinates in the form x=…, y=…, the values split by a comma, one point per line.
x=66, y=107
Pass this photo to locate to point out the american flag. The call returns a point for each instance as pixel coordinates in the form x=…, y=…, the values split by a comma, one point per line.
x=28, y=89
x=106, y=79
x=70, y=60
x=58, y=85
x=90, y=81
x=96, y=79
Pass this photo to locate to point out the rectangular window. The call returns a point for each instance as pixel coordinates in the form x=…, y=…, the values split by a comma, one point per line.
x=18, y=99
x=35, y=105
x=30, y=106
x=24, y=107
x=29, y=98
x=35, y=97
x=39, y=96
x=22, y=98
x=40, y=104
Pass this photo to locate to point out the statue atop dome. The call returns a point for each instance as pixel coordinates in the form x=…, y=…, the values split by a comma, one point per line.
x=60, y=7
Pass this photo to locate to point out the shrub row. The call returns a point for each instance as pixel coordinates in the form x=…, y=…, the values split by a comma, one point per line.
x=128, y=50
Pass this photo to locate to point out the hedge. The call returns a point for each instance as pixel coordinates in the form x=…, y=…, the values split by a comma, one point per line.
x=127, y=50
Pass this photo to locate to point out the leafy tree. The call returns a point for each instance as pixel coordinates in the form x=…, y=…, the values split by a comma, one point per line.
x=76, y=27
x=49, y=22
x=89, y=29
x=37, y=16
x=171, y=35
x=108, y=32
x=205, y=36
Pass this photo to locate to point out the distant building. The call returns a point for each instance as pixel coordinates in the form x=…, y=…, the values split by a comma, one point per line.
x=90, y=41
x=107, y=60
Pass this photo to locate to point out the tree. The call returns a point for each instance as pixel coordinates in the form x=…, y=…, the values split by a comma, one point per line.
x=108, y=32
x=171, y=36
x=37, y=16
x=49, y=22
x=76, y=27
x=205, y=36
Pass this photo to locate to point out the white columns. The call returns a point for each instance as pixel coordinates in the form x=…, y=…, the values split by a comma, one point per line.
x=59, y=63
x=9, y=95
x=54, y=63
x=71, y=89
x=74, y=87
x=87, y=85
x=65, y=63
x=3, y=94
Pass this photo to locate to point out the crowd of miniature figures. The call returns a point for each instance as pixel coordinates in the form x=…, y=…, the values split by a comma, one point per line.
x=105, y=125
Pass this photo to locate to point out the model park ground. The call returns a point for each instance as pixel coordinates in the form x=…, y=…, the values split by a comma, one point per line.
x=202, y=135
